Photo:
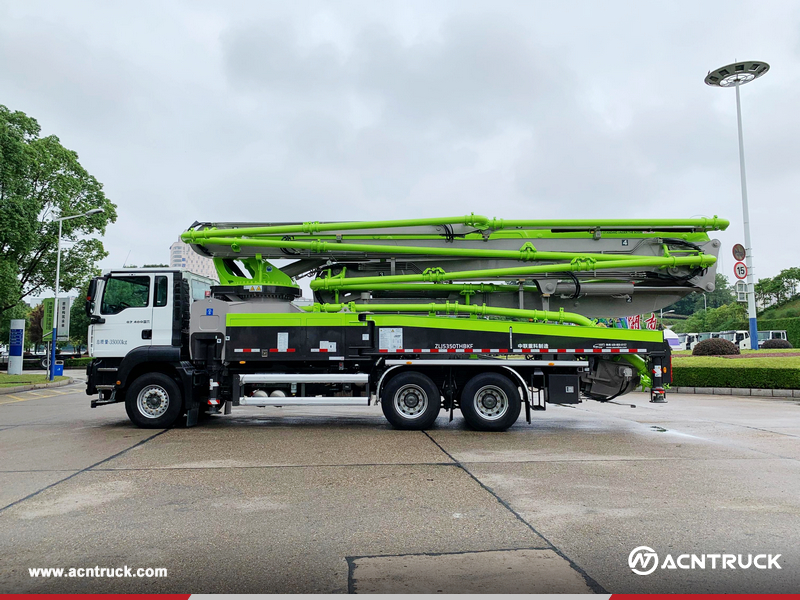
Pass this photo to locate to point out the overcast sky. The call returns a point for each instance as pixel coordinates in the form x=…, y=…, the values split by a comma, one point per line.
x=302, y=111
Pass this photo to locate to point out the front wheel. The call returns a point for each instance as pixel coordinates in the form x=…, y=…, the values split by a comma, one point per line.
x=154, y=401
x=490, y=402
x=411, y=401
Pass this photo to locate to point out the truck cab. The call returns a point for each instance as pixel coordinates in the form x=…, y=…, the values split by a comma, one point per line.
x=688, y=340
x=739, y=337
x=138, y=319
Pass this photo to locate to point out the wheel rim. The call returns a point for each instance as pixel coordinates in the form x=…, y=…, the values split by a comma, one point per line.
x=152, y=401
x=410, y=401
x=490, y=402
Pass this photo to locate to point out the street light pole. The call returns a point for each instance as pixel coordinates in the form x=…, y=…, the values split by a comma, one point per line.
x=94, y=211
x=55, y=308
x=735, y=75
x=751, y=295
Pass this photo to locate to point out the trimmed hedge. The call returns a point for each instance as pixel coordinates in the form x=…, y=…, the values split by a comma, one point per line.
x=760, y=373
x=715, y=347
x=760, y=378
x=790, y=324
x=776, y=345
x=77, y=362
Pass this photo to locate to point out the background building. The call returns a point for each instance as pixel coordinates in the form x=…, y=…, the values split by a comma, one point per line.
x=181, y=256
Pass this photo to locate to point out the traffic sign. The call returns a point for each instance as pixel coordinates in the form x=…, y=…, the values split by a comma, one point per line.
x=49, y=314
x=740, y=270
x=739, y=252
x=62, y=319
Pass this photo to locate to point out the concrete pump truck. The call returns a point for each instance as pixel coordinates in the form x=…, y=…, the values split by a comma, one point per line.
x=482, y=315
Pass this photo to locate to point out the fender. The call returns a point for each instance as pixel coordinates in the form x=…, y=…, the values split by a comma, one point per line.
x=525, y=390
x=380, y=382
x=145, y=354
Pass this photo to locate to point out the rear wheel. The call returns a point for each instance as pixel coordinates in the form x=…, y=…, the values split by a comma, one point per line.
x=154, y=401
x=411, y=401
x=490, y=402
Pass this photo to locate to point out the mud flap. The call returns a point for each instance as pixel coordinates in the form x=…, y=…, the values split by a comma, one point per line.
x=192, y=415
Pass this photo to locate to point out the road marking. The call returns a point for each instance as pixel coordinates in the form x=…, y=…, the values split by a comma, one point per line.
x=13, y=401
x=33, y=395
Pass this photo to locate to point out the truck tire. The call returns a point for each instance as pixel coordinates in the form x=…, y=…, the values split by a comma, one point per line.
x=154, y=401
x=411, y=401
x=490, y=402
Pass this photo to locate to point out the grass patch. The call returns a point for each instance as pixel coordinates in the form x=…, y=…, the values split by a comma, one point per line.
x=755, y=353
x=786, y=310
x=720, y=362
x=15, y=380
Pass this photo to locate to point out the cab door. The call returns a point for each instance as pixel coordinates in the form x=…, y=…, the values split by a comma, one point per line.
x=163, y=310
x=124, y=318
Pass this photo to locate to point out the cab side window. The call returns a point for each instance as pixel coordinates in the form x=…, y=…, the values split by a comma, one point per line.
x=161, y=291
x=125, y=292
x=199, y=289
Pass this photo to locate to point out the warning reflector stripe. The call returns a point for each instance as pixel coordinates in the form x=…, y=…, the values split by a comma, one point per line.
x=248, y=350
x=319, y=349
x=287, y=350
x=507, y=351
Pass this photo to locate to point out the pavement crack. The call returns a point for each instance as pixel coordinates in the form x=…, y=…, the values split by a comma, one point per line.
x=594, y=585
x=311, y=466
x=89, y=468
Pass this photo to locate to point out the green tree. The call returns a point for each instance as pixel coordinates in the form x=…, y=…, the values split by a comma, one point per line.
x=728, y=316
x=35, y=334
x=20, y=311
x=78, y=321
x=40, y=180
x=694, y=302
x=725, y=317
x=792, y=278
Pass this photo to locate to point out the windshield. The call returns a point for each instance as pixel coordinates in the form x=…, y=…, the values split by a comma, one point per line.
x=125, y=292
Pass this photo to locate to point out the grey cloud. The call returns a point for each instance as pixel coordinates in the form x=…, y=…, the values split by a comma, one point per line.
x=313, y=110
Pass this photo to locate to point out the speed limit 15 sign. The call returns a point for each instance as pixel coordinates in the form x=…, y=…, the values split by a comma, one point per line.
x=740, y=270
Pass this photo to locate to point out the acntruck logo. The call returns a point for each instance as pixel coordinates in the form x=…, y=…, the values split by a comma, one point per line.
x=644, y=560
x=644, y=557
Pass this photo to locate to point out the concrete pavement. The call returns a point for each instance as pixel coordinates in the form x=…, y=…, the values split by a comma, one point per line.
x=296, y=500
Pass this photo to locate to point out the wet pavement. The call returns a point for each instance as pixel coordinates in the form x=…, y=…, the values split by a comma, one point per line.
x=297, y=500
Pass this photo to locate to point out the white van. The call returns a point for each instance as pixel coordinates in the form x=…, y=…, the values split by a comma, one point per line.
x=763, y=336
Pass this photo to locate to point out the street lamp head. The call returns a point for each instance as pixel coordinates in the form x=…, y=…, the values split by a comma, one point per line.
x=737, y=73
x=94, y=211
